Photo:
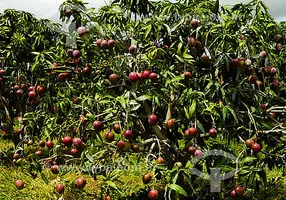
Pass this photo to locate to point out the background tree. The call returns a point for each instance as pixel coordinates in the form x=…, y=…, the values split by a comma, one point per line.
x=28, y=46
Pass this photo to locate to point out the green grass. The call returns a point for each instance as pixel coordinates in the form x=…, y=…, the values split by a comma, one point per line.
x=33, y=188
x=129, y=182
x=131, y=185
x=38, y=189
x=275, y=188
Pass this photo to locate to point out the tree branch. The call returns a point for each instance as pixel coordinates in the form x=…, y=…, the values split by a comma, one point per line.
x=277, y=109
x=281, y=131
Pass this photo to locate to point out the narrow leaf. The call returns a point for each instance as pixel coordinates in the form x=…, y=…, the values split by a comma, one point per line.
x=178, y=189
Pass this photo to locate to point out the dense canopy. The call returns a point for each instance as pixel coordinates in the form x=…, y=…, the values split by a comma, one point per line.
x=149, y=86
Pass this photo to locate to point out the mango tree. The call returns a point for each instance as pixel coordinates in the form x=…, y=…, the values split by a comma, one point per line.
x=166, y=82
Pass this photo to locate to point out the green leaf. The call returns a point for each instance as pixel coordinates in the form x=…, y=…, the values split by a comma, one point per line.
x=192, y=108
x=233, y=114
x=207, y=88
x=266, y=125
x=179, y=50
x=270, y=25
x=177, y=79
x=63, y=107
x=175, y=177
x=225, y=168
x=35, y=53
x=44, y=178
x=34, y=66
x=113, y=185
x=186, y=113
x=224, y=113
x=178, y=189
x=187, y=56
x=248, y=159
x=135, y=107
x=180, y=59
x=143, y=98
x=122, y=102
x=168, y=29
x=156, y=100
x=216, y=7
x=107, y=117
x=89, y=157
x=200, y=126
x=90, y=117
x=244, y=172
x=161, y=167
x=148, y=29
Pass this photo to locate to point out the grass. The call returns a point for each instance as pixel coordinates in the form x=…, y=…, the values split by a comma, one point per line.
x=122, y=184
x=275, y=188
x=33, y=188
x=125, y=184
x=37, y=189
x=130, y=184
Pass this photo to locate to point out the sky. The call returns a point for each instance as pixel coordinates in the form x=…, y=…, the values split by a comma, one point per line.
x=49, y=8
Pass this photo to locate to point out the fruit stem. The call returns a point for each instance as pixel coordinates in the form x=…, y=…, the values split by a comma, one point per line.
x=153, y=105
x=195, y=121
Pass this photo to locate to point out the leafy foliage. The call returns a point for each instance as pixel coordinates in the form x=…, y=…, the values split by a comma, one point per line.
x=213, y=67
